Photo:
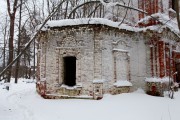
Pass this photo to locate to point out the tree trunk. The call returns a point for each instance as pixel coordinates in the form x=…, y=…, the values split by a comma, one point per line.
x=34, y=67
x=4, y=52
x=12, y=14
x=65, y=14
x=5, y=43
x=18, y=49
x=11, y=46
x=177, y=12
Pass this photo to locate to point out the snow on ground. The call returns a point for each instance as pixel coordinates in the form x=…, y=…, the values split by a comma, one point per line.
x=22, y=102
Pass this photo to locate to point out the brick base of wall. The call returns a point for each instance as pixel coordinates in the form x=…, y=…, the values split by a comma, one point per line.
x=119, y=90
x=156, y=88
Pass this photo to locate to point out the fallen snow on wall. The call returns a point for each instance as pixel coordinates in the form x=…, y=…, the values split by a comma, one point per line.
x=111, y=4
x=71, y=88
x=154, y=79
x=168, y=22
x=120, y=50
x=98, y=81
x=121, y=83
x=177, y=51
x=171, y=24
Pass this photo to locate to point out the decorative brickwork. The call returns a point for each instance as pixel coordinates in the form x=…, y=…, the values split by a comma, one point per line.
x=156, y=88
x=97, y=90
x=102, y=52
x=41, y=88
x=118, y=90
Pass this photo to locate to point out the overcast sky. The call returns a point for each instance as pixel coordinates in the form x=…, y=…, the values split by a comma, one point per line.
x=2, y=6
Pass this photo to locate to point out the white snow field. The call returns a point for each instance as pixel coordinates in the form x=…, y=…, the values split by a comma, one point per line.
x=22, y=102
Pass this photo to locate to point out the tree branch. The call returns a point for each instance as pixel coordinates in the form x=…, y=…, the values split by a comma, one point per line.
x=33, y=38
x=124, y=15
x=8, y=7
x=15, y=6
x=101, y=2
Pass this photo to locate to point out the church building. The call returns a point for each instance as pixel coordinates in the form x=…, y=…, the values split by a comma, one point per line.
x=88, y=57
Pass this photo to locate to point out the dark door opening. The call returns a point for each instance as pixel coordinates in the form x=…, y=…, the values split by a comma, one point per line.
x=70, y=71
x=178, y=72
x=173, y=4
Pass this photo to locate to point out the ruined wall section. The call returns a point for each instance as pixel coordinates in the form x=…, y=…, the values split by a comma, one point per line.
x=124, y=58
x=138, y=61
x=107, y=60
x=95, y=49
x=51, y=65
x=70, y=42
x=87, y=60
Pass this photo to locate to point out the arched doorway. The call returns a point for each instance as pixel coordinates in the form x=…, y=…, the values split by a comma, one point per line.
x=69, y=71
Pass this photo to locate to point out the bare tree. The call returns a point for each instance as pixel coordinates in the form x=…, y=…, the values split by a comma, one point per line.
x=19, y=41
x=5, y=34
x=33, y=38
x=34, y=21
x=12, y=15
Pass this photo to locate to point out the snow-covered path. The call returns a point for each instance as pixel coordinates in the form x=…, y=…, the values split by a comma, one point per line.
x=23, y=103
x=10, y=105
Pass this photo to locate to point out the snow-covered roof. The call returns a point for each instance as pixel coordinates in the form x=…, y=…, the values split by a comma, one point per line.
x=177, y=51
x=154, y=79
x=43, y=79
x=121, y=50
x=84, y=21
x=98, y=81
x=168, y=22
x=121, y=83
x=164, y=19
x=71, y=88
